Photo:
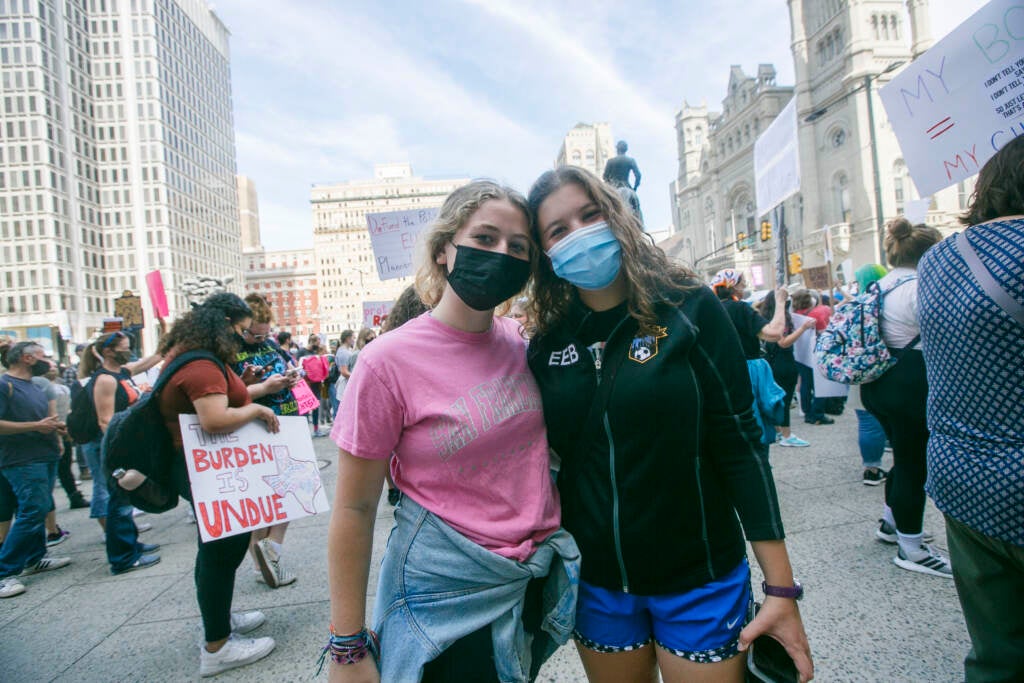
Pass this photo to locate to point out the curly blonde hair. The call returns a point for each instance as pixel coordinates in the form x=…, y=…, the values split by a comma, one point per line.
x=431, y=277
x=261, y=312
x=650, y=275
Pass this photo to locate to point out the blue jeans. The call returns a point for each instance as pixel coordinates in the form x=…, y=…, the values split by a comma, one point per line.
x=813, y=408
x=122, y=534
x=26, y=541
x=870, y=438
x=100, y=494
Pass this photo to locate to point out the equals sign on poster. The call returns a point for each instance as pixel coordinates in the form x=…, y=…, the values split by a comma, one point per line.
x=940, y=127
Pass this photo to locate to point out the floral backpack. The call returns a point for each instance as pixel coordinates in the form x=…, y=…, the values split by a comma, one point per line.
x=850, y=350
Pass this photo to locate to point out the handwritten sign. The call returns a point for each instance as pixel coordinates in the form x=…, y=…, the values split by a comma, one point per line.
x=777, y=161
x=374, y=312
x=957, y=104
x=305, y=397
x=816, y=277
x=129, y=308
x=250, y=479
x=157, y=293
x=393, y=237
x=803, y=347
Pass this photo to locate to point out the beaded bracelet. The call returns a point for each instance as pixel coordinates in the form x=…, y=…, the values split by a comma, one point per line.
x=350, y=649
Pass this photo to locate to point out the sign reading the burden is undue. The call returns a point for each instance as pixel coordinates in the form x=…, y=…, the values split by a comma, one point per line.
x=250, y=478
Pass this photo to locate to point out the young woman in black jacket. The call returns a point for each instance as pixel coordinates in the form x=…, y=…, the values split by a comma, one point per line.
x=648, y=404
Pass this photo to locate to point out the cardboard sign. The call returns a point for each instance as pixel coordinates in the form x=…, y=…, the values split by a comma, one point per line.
x=816, y=277
x=777, y=161
x=374, y=312
x=128, y=307
x=393, y=237
x=305, y=397
x=250, y=479
x=957, y=104
x=157, y=293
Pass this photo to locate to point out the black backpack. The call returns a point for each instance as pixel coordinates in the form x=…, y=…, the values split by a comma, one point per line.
x=83, y=425
x=137, y=438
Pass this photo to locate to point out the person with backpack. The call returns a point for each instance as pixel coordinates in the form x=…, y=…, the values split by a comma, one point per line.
x=108, y=364
x=971, y=300
x=29, y=452
x=870, y=435
x=268, y=375
x=57, y=392
x=898, y=400
x=212, y=391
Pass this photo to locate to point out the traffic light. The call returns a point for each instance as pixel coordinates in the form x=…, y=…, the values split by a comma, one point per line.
x=766, y=231
x=741, y=241
x=796, y=264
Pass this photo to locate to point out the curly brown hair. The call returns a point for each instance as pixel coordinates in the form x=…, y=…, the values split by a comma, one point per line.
x=650, y=276
x=208, y=326
x=407, y=306
x=999, y=190
x=261, y=311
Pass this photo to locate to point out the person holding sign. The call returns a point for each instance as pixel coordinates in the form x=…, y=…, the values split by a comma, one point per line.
x=267, y=373
x=220, y=399
x=449, y=400
x=628, y=342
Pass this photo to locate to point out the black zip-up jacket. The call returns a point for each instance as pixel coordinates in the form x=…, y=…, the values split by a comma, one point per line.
x=661, y=453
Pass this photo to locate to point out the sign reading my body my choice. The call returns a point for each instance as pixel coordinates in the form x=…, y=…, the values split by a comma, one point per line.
x=393, y=237
x=957, y=104
x=249, y=479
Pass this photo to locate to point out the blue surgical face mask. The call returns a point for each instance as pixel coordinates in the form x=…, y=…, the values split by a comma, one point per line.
x=588, y=258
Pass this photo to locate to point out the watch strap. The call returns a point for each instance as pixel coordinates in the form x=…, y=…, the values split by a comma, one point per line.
x=794, y=592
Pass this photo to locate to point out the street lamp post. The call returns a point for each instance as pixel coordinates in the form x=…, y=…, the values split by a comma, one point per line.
x=879, y=215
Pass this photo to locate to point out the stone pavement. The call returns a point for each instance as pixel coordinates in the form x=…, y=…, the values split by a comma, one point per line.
x=867, y=619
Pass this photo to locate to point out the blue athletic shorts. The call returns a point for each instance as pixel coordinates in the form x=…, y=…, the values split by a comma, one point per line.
x=702, y=624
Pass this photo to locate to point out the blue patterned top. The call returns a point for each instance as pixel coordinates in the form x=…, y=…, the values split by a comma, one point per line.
x=974, y=353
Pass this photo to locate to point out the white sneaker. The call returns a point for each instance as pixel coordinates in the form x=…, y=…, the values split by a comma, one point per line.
x=10, y=586
x=45, y=565
x=244, y=622
x=273, y=573
x=235, y=653
x=932, y=563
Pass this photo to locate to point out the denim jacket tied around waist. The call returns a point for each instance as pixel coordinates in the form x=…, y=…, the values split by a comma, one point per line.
x=436, y=586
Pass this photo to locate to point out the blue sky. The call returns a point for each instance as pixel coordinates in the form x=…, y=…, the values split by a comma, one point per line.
x=324, y=89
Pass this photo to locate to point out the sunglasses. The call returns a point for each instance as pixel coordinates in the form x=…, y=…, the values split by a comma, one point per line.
x=256, y=337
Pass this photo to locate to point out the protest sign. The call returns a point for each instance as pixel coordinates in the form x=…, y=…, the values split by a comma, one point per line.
x=826, y=388
x=393, y=237
x=916, y=210
x=957, y=104
x=157, y=293
x=305, y=397
x=374, y=312
x=846, y=268
x=803, y=347
x=128, y=307
x=249, y=478
x=777, y=161
x=816, y=277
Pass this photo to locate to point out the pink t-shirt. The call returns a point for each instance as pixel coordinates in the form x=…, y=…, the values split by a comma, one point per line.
x=462, y=414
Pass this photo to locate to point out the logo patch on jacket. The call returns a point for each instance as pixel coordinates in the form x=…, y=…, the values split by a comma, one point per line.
x=567, y=356
x=642, y=349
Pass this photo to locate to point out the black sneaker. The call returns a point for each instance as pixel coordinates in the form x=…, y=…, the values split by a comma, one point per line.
x=78, y=501
x=823, y=420
x=886, y=533
x=875, y=476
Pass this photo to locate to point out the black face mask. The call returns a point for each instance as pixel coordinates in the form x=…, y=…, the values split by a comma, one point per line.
x=40, y=368
x=483, y=279
x=122, y=357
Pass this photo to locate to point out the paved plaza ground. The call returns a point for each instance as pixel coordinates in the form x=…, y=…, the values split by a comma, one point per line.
x=867, y=619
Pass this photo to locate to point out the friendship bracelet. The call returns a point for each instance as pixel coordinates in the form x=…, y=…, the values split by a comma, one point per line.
x=350, y=649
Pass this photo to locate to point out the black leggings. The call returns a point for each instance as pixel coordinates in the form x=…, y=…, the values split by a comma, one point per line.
x=67, y=480
x=898, y=399
x=216, y=564
x=786, y=379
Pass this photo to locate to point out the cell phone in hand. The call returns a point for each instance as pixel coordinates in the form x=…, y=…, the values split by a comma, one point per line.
x=768, y=661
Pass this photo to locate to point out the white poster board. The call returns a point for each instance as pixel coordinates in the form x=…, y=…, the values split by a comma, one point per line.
x=803, y=347
x=249, y=478
x=826, y=388
x=777, y=161
x=374, y=312
x=393, y=237
x=954, y=106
